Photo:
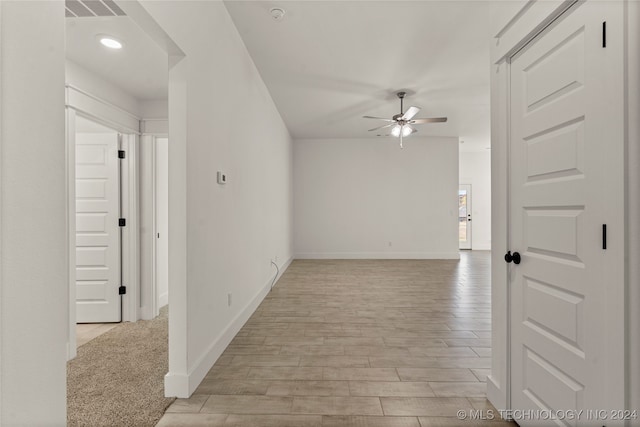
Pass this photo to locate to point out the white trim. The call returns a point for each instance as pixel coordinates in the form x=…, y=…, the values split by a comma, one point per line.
x=499, y=238
x=155, y=307
x=102, y=101
x=101, y=111
x=495, y=395
x=526, y=24
x=532, y=18
x=1, y=192
x=178, y=278
x=184, y=385
x=71, y=228
x=94, y=108
x=155, y=127
x=633, y=200
x=151, y=303
x=282, y=269
x=378, y=255
x=147, y=172
x=131, y=235
x=163, y=300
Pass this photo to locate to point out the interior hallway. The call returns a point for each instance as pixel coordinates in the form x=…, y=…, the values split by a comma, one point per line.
x=356, y=343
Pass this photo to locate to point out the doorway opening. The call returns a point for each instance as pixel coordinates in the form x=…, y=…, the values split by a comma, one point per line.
x=116, y=100
x=464, y=216
x=98, y=223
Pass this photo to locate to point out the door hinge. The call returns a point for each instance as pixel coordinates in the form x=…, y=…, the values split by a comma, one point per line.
x=604, y=34
x=122, y=222
x=604, y=236
x=121, y=154
x=122, y=290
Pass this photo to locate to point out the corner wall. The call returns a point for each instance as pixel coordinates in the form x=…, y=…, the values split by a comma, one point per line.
x=223, y=237
x=33, y=219
x=367, y=198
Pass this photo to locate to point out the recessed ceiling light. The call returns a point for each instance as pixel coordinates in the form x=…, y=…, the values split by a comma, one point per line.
x=277, y=13
x=109, y=41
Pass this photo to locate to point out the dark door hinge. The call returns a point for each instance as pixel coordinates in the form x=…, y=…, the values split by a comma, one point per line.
x=122, y=290
x=604, y=236
x=121, y=154
x=604, y=34
x=122, y=222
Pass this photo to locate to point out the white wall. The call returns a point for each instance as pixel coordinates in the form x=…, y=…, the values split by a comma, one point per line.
x=33, y=217
x=230, y=233
x=83, y=79
x=154, y=109
x=367, y=198
x=475, y=169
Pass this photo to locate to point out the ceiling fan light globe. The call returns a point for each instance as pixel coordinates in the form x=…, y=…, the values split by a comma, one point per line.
x=395, y=131
x=406, y=130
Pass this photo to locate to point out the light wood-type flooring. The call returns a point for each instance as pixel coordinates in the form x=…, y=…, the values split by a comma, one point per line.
x=85, y=332
x=375, y=343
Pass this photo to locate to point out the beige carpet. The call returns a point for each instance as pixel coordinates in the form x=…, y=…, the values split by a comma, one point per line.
x=117, y=379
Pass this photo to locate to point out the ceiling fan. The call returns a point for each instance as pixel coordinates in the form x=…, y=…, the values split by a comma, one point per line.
x=402, y=123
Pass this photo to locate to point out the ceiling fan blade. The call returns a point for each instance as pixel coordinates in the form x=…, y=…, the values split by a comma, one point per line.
x=382, y=127
x=378, y=118
x=430, y=120
x=410, y=113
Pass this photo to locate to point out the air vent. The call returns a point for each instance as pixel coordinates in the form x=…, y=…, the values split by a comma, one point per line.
x=90, y=8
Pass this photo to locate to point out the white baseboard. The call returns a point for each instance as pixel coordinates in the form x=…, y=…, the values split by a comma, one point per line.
x=163, y=300
x=176, y=385
x=183, y=386
x=72, y=350
x=283, y=268
x=497, y=397
x=378, y=255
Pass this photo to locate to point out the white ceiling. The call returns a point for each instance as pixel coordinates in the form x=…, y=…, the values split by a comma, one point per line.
x=328, y=63
x=139, y=68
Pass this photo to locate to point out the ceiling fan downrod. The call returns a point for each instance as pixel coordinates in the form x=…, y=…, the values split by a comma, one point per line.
x=401, y=96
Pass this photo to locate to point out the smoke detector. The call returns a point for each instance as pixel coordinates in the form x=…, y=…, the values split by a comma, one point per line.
x=277, y=14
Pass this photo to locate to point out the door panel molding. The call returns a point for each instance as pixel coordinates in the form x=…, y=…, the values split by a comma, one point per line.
x=551, y=219
x=97, y=234
x=498, y=382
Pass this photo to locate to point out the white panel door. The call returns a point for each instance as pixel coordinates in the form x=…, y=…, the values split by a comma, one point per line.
x=97, y=230
x=562, y=127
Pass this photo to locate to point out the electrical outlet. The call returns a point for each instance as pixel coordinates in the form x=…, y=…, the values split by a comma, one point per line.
x=229, y=299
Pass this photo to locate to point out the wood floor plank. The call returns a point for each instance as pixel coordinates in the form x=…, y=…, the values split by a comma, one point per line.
x=378, y=343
